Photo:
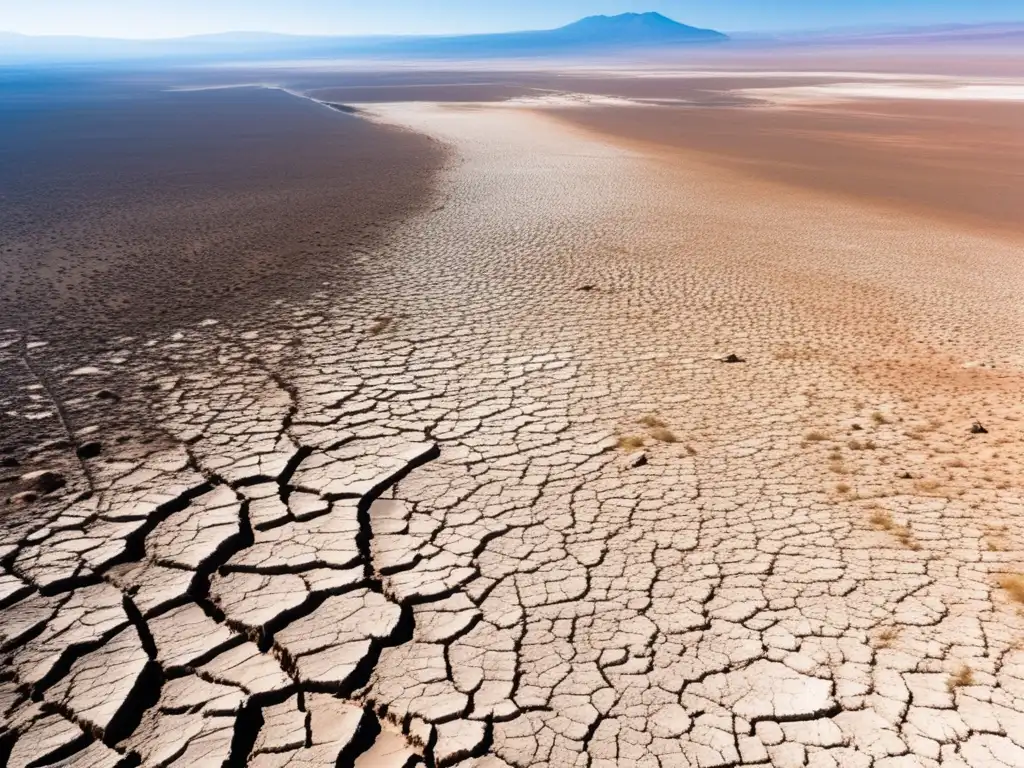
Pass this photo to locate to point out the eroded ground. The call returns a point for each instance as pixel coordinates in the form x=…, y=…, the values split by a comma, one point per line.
x=605, y=460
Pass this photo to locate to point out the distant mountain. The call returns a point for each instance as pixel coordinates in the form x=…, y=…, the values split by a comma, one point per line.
x=592, y=35
x=995, y=34
x=634, y=28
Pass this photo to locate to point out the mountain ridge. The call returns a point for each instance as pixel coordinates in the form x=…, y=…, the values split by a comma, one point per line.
x=589, y=34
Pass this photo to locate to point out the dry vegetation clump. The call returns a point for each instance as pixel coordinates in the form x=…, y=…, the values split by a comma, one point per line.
x=879, y=418
x=886, y=637
x=815, y=436
x=653, y=422
x=962, y=677
x=690, y=450
x=1013, y=583
x=927, y=485
x=843, y=488
x=629, y=443
x=862, y=445
x=380, y=324
x=884, y=521
x=663, y=435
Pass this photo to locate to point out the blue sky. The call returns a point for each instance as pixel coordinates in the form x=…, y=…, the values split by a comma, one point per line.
x=167, y=18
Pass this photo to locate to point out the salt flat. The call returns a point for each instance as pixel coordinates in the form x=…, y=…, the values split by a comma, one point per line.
x=613, y=456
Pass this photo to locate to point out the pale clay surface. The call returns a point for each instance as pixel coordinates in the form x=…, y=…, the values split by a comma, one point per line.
x=398, y=526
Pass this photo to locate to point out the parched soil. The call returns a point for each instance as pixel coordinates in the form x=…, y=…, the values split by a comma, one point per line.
x=613, y=455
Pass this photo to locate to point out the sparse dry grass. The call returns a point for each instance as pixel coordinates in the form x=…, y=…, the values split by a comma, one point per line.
x=927, y=485
x=629, y=443
x=815, y=436
x=886, y=637
x=956, y=463
x=838, y=467
x=884, y=521
x=663, y=435
x=879, y=418
x=843, y=488
x=961, y=678
x=653, y=422
x=1013, y=583
x=380, y=324
x=691, y=450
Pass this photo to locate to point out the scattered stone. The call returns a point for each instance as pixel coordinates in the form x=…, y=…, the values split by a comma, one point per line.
x=977, y=428
x=90, y=450
x=585, y=288
x=733, y=359
x=108, y=395
x=43, y=481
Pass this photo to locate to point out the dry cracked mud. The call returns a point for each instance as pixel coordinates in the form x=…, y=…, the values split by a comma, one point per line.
x=505, y=503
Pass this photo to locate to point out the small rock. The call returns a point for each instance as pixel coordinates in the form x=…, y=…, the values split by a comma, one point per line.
x=856, y=427
x=9, y=461
x=733, y=359
x=25, y=497
x=978, y=429
x=44, y=481
x=90, y=450
x=585, y=288
x=640, y=460
x=904, y=475
x=106, y=394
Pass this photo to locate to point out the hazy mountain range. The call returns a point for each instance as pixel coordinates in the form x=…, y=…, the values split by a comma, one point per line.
x=591, y=35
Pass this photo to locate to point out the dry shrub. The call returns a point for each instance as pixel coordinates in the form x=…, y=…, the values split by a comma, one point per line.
x=664, y=435
x=380, y=324
x=691, y=450
x=1013, y=583
x=815, y=436
x=962, y=677
x=843, y=487
x=927, y=485
x=653, y=421
x=879, y=418
x=887, y=637
x=629, y=443
x=882, y=519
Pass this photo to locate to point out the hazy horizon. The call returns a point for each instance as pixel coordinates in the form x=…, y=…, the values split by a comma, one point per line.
x=121, y=19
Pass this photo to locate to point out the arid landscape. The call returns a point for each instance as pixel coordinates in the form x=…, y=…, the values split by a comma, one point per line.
x=642, y=413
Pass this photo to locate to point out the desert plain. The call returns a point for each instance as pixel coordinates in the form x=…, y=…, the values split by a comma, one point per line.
x=656, y=415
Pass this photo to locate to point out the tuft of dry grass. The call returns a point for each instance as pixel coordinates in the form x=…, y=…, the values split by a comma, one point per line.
x=886, y=637
x=882, y=519
x=1013, y=583
x=653, y=422
x=962, y=677
x=956, y=463
x=691, y=450
x=380, y=324
x=629, y=443
x=664, y=435
x=927, y=485
x=837, y=466
x=843, y=487
x=815, y=436
x=879, y=418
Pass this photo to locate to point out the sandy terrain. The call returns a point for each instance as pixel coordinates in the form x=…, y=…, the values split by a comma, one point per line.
x=617, y=455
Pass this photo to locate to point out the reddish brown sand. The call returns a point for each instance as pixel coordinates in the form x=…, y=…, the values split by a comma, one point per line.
x=963, y=160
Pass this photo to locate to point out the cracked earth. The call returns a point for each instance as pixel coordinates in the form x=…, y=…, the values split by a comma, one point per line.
x=609, y=459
